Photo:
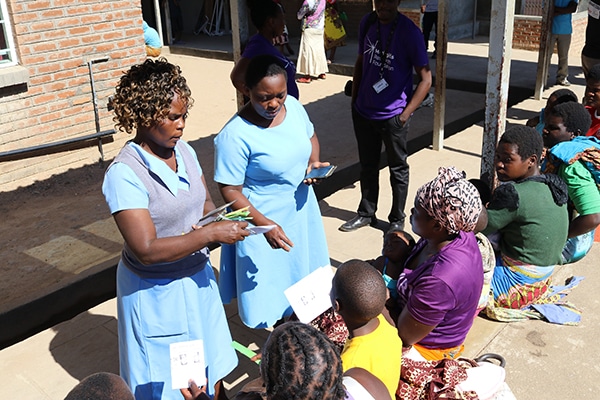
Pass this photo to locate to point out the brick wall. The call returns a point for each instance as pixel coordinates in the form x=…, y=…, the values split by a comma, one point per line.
x=527, y=31
x=54, y=40
x=413, y=14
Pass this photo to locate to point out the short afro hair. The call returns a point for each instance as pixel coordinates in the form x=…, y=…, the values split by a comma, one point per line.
x=299, y=362
x=360, y=289
x=575, y=117
x=594, y=73
x=262, y=10
x=101, y=386
x=261, y=67
x=564, y=95
x=528, y=141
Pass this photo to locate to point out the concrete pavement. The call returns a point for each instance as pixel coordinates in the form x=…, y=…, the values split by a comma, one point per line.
x=544, y=361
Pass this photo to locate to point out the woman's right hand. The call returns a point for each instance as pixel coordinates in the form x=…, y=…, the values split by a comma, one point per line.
x=228, y=232
x=277, y=238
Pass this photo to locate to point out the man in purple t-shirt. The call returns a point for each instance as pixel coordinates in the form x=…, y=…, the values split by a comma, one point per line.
x=390, y=46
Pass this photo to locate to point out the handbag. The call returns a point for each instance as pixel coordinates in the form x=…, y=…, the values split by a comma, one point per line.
x=462, y=378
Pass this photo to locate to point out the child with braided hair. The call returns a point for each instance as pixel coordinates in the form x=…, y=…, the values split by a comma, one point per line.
x=300, y=363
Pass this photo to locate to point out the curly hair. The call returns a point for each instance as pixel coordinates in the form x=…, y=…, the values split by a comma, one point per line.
x=300, y=363
x=527, y=140
x=575, y=117
x=144, y=94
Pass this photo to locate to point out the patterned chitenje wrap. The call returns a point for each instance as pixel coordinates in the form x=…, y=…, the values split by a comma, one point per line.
x=451, y=200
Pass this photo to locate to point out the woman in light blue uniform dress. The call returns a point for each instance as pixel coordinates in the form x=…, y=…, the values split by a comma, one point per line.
x=166, y=289
x=262, y=155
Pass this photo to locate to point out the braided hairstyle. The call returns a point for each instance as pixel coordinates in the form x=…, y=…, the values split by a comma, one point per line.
x=300, y=363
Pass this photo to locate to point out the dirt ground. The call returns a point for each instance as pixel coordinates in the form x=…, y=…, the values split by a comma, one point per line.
x=38, y=214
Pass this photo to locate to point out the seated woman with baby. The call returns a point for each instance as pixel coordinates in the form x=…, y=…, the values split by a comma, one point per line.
x=440, y=286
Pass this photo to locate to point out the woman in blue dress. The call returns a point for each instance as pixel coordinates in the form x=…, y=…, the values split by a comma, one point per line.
x=156, y=192
x=262, y=156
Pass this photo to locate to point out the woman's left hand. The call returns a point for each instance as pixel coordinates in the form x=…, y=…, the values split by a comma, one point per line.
x=277, y=238
x=311, y=166
x=193, y=392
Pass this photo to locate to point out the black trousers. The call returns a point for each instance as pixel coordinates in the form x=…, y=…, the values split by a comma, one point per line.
x=429, y=20
x=370, y=135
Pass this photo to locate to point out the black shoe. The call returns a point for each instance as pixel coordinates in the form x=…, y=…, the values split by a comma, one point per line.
x=396, y=226
x=357, y=222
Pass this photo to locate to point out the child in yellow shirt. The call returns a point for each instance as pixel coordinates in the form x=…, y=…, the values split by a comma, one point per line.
x=359, y=296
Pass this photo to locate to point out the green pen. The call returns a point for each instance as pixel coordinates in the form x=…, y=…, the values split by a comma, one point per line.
x=244, y=350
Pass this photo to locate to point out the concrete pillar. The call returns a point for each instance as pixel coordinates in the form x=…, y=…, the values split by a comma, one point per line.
x=439, y=110
x=158, y=21
x=239, y=34
x=545, y=52
x=496, y=97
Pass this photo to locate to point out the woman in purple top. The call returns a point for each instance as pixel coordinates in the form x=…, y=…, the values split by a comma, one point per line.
x=267, y=16
x=443, y=277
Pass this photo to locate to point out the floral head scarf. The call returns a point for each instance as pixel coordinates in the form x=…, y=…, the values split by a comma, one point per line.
x=451, y=200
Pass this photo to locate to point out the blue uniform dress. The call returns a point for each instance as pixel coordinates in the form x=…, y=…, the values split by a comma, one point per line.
x=270, y=164
x=165, y=303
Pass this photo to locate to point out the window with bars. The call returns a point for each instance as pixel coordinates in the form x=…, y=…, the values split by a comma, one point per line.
x=8, y=55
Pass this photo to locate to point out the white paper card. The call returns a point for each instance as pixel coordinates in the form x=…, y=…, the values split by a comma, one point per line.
x=380, y=85
x=309, y=297
x=593, y=10
x=257, y=230
x=187, y=362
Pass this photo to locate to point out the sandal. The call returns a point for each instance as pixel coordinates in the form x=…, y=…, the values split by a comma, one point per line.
x=303, y=80
x=322, y=76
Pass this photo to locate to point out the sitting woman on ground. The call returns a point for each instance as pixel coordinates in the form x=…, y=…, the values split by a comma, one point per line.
x=529, y=213
x=439, y=289
x=574, y=157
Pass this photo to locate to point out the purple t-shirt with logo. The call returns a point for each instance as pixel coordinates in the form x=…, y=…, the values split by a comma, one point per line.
x=404, y=51
x=444, y=290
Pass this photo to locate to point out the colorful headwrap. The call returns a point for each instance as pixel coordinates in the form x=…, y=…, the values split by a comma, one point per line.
x=451, y=200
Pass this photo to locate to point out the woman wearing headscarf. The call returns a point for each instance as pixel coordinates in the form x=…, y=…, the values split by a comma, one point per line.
x=439, y=289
